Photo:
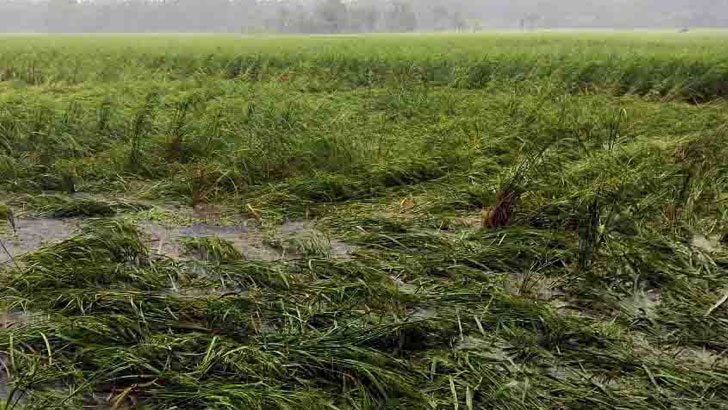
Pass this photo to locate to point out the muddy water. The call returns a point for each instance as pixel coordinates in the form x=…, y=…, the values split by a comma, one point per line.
x=247, y=238
x=32, y=234
x=249, y=241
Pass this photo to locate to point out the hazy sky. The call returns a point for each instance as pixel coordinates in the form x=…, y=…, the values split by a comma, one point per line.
x=336, y=16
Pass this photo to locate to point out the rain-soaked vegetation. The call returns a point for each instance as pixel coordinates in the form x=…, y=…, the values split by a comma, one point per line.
x=510, y=221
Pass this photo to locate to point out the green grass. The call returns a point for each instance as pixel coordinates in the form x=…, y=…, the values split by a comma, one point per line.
x=604, y=155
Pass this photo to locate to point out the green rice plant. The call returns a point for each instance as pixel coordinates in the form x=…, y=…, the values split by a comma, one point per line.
x=7, y=215
x=312, y=244
x=109, y=240
x=211, y=249
x=103, y=122
x=139, y=127
x=62, y=206
x=175, y=142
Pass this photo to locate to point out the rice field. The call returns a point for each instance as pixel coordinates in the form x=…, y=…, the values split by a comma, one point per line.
x=454, y=221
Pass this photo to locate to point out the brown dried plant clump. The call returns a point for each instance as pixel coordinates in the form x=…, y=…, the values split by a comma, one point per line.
x=500, y=215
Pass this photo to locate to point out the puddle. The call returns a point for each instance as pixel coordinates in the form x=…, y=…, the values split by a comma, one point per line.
x=294, y=239
x=294, y=227
x=32, y=234
x=247, y=240
x=291, y=240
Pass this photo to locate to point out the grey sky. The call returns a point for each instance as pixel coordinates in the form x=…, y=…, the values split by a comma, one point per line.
x=339, y=16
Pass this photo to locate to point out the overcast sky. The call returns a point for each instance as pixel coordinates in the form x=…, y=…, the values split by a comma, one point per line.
x=339, y=16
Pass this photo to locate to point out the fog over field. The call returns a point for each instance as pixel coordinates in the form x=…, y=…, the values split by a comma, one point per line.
x=351, y=16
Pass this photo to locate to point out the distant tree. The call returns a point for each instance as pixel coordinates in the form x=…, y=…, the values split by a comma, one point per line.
x=364, y=16
x=531, y=19
x=475, y=26
x=284, y=19
x=331, y=16
x=457, y=22
x=401, y=17
x=440, y=17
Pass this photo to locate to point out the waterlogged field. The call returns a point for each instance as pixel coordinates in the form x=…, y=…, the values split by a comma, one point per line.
x=511, y=221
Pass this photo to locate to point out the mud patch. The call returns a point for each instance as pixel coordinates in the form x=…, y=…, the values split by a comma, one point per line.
x=249, y=241
x=32, y=234
x=290, y=241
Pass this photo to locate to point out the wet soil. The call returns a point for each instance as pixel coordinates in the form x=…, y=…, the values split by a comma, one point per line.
x=165, y=241
x=246, y=236
x=32, y=234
